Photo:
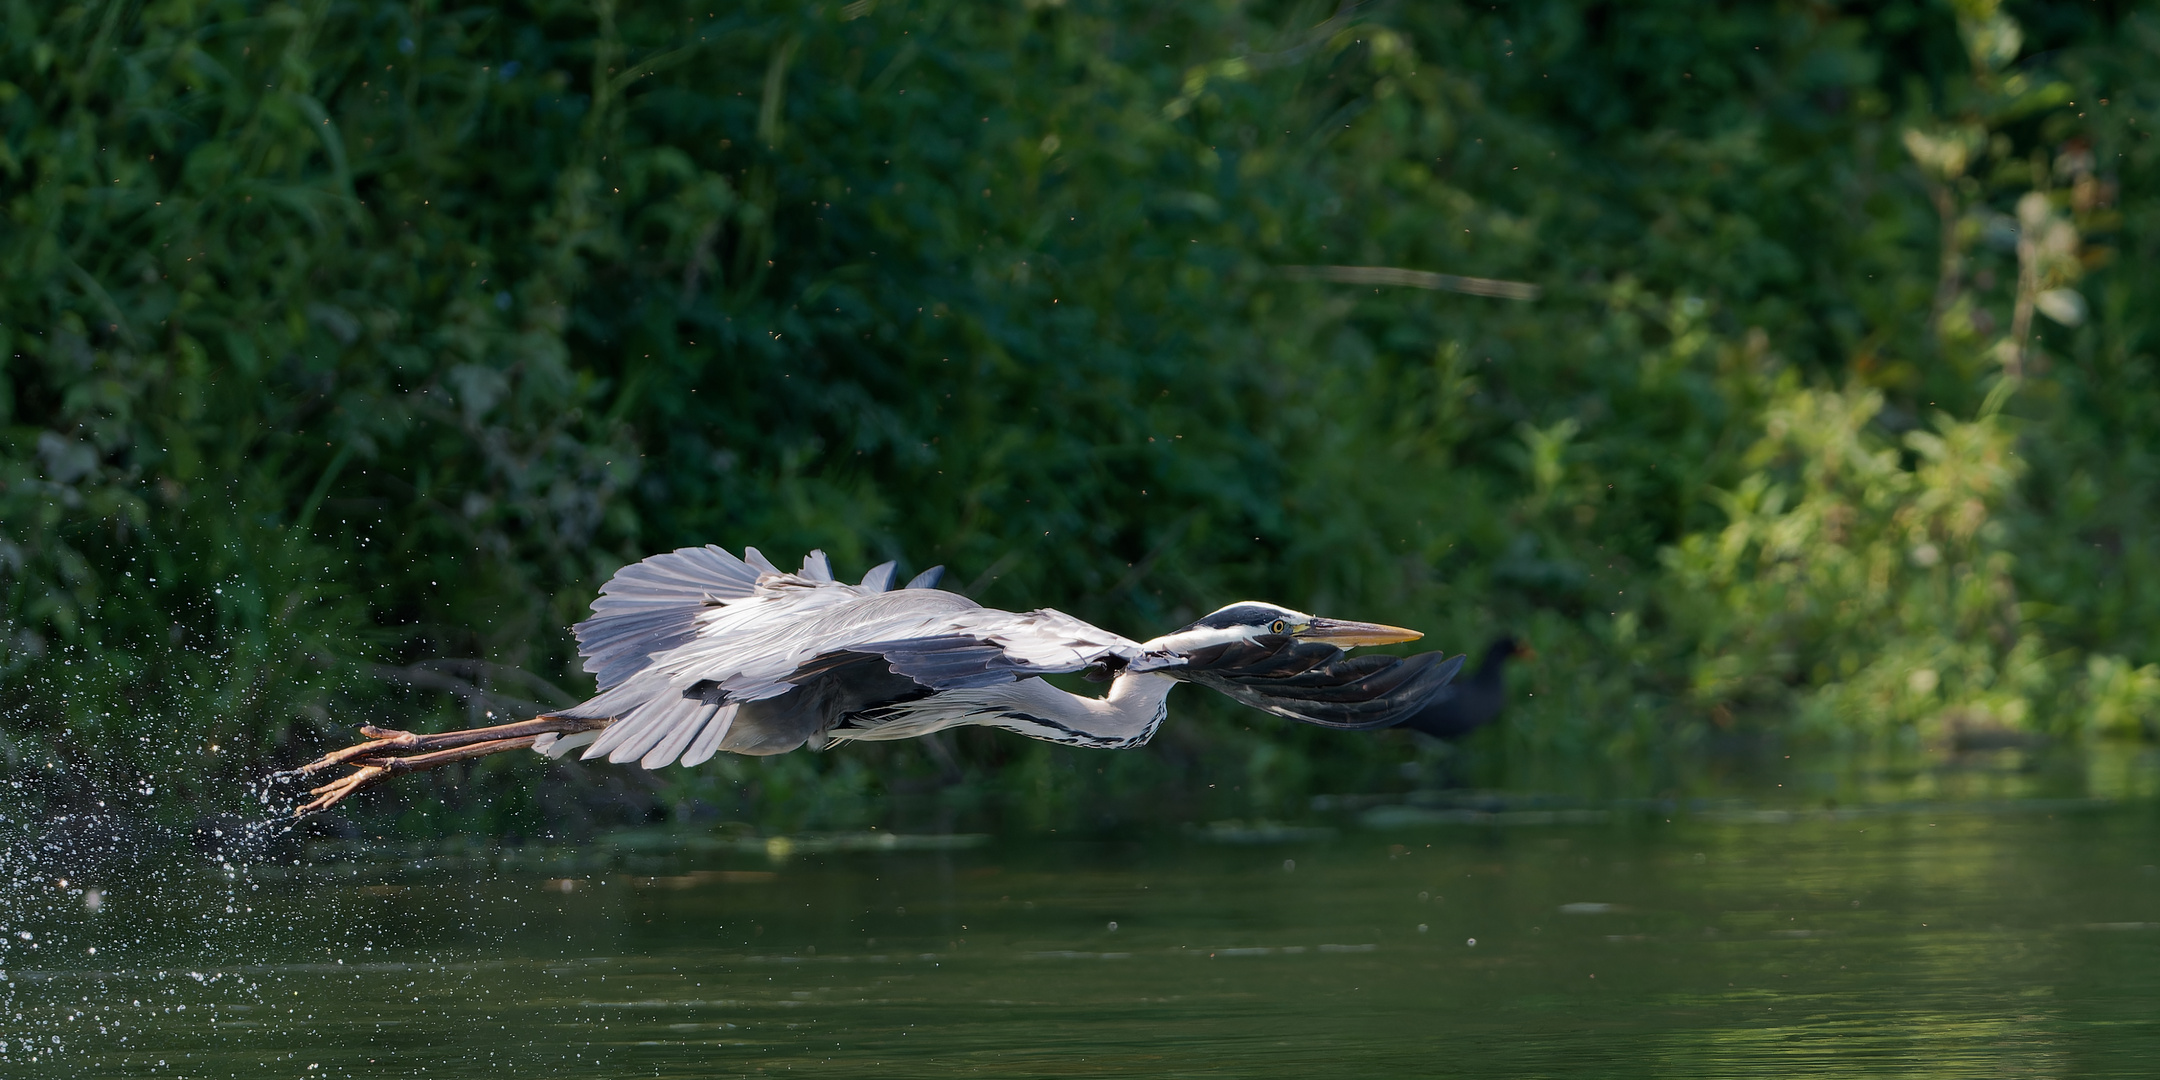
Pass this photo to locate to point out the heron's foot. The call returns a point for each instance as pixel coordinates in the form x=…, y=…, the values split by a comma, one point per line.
x=389, y=752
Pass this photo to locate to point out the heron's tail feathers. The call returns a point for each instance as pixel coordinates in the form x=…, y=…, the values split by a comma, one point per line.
x=555, y=746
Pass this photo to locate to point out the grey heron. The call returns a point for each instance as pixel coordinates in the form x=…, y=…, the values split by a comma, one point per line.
x=696, y=652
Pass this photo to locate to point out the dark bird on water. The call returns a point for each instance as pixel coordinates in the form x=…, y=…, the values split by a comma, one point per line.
x=698, y=652
x=1469, y=704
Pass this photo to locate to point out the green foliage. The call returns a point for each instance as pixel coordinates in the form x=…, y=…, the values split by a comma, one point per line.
x=348, y=347
x=2122, y=700
x=1884, y=586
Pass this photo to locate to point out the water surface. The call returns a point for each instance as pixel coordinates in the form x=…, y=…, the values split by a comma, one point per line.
x=1979, y=939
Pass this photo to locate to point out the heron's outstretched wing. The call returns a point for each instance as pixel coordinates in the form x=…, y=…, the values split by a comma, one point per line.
x=652, y=606
x=705, y=652
x=1317, y=683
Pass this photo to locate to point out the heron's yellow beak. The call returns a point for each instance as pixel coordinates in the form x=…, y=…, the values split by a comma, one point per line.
x=1347, y=634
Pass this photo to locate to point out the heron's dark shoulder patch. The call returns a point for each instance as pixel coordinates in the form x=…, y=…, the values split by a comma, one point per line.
x=1248, y=614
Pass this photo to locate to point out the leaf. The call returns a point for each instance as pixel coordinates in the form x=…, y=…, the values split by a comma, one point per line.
x=2066, y=306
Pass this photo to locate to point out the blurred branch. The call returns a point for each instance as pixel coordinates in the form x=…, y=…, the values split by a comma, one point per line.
x=771, y=107
x=478, y=669
x=1345, y=14
x=429, y=675
x=1416, y=279
x=1244, y=64
x=96, y=291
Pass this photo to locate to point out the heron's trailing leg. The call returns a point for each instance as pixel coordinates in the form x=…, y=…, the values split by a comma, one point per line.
x=389, y=752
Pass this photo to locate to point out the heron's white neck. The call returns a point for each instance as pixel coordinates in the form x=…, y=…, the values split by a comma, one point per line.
x=1127, y=716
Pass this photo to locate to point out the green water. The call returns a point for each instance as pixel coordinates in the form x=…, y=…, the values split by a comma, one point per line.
x=1986, y=939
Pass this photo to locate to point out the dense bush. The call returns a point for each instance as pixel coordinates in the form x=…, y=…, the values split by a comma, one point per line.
x=349, y=346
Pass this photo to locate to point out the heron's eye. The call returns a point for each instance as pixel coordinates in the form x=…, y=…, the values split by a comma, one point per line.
x=1278, y=626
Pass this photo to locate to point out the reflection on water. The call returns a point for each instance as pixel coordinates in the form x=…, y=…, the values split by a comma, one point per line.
x=1473, y=939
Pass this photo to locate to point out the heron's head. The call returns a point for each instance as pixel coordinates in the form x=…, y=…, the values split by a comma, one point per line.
x=1250, y=619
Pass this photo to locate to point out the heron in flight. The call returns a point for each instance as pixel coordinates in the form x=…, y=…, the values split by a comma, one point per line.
x=696, y=652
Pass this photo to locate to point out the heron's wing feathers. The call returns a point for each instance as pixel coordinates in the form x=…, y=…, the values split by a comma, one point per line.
x=947, y=661
x=1316, y=683
x=744, y=649
x=689, y=642
x=652, y=606
x=878, y=579
x=989, y=647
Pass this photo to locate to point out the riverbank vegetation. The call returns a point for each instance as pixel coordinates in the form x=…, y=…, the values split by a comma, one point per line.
x=1779, y=371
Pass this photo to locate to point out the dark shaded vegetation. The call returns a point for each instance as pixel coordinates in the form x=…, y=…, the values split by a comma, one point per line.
x=346, y=348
